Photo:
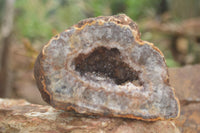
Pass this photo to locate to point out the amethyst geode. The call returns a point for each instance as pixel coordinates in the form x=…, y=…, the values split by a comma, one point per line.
x=101, y=67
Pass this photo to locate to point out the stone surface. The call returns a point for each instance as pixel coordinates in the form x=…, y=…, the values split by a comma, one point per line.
x=186, y=80
x=101, y=67
x=189, y=120
x=21, y=116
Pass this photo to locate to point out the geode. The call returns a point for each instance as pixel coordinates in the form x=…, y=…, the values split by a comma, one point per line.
x=101, y=67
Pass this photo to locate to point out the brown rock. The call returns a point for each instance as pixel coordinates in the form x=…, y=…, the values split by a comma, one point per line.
x=186, y=82
x=101, y=67
x=21, y=116
x=189, y=120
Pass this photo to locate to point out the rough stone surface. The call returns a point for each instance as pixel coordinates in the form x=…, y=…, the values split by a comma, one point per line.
x=189, y=120
x=186, y=80
x=101, y=67
x=19, y=116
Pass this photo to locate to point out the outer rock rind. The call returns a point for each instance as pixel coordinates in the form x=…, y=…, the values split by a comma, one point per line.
x=40, y=79
x=93, y=90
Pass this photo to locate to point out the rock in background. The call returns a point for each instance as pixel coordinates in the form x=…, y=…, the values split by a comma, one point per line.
x=186, y=81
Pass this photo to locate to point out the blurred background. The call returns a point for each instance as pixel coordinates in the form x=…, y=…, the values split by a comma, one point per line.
x=26, y=25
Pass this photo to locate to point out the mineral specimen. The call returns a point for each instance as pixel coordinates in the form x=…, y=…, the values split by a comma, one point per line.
x=101, y=67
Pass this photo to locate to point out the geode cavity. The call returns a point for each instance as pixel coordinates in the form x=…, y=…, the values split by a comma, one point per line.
x=101, y=67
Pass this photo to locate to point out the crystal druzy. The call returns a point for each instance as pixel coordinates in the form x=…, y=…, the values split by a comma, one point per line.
x=100, y=66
